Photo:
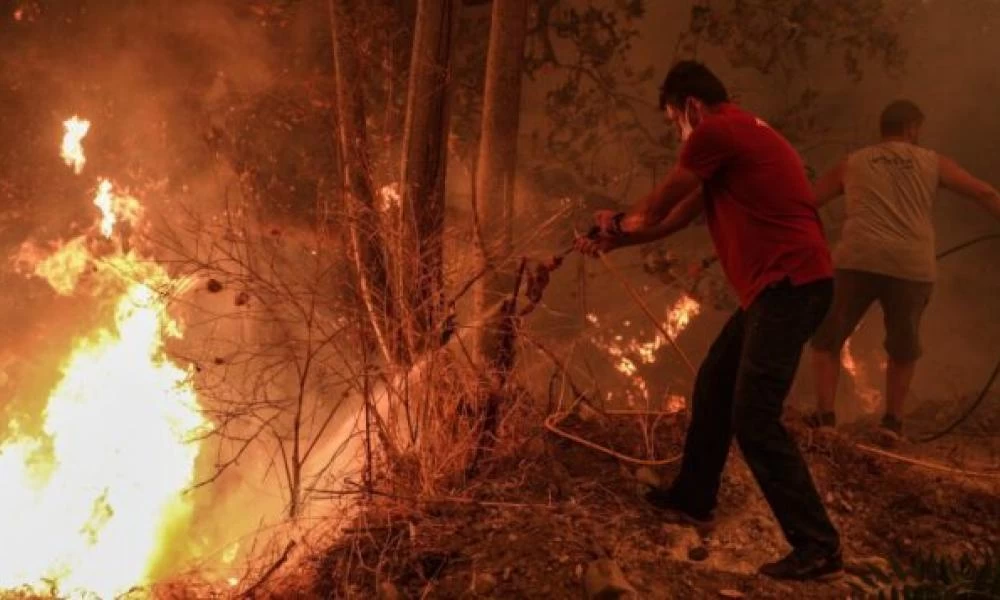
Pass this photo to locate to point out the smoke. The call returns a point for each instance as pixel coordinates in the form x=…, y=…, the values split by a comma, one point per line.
x=951, y=73
x=189, y=98
x=160, y=81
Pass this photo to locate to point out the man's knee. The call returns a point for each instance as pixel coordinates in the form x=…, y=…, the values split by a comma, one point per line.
x=832, y=333
x=751, y=430
x=758, y=438
x=713, y=384
x=904, y=304
x=902, y=338
x=852, y=296
x=829, y=344
x=766, y=373
x=903, y=348
x=757, y=407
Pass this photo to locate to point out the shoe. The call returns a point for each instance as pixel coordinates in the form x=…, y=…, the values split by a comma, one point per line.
x=821, y=419
x=892, y=424
x=804, y=565
x=672, y=512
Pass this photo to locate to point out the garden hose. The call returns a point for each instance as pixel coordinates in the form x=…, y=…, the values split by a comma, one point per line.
x=984, y=392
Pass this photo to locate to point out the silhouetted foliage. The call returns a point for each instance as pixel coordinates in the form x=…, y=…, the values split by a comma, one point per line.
x=936, y=577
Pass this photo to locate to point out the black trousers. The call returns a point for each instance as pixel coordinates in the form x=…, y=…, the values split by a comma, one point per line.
x=740, y=391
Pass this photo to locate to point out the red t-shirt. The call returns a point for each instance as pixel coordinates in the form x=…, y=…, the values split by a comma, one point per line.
x=759, y=204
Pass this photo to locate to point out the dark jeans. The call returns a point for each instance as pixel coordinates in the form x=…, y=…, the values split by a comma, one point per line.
x=740, y=391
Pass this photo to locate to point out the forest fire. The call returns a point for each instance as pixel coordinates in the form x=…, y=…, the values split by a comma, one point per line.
x=866, y=392
x=629, y=354
x=94, y=495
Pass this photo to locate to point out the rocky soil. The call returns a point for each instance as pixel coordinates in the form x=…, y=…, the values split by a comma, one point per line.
x=559, y=520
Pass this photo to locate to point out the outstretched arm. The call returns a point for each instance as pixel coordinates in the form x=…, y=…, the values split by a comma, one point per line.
x=710, y=147
x=680, y=217
x=830, y=184
x=651, y=215
x=957, y=179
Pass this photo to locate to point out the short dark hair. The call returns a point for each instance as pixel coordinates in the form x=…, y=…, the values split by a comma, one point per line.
x=899, y=115
x=691, y=79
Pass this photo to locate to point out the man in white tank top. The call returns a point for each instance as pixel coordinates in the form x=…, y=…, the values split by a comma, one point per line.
x=886, y=251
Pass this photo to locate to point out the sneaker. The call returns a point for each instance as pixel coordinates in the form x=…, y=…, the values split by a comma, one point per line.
x=821, y=419
x=804, y=565
x=892, y=424
x=672, y=512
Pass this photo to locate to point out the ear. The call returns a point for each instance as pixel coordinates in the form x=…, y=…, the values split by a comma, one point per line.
x=694, y=110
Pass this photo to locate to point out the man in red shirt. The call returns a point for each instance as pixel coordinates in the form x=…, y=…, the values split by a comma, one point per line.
x=762, y=218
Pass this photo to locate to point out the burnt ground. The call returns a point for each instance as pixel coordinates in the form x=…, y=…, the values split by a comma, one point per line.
x=540, y=517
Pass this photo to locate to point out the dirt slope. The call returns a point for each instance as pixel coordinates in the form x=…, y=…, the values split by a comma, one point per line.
x=539, y=518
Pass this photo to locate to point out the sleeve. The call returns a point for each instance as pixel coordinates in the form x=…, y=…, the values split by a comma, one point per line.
x=710, y=147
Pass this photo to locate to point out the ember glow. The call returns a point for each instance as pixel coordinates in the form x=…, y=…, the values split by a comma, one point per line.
x=680, y=315
x=93, y=496
x=72, y=146
x=389, y=197
x=867, y=393
x=629, y=354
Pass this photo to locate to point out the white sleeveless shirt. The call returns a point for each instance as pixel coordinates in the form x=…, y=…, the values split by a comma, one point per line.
x=890, y=189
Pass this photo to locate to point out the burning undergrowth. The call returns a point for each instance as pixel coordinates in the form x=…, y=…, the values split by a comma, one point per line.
x=267, y=383
x=634, y=352
x=102, y=481
x=123, y=438
x=186, y=407
x=280, y=394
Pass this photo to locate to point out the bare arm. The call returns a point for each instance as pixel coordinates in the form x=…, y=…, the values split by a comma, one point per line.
x=958, y=180
x=679, y=184
x=680, y=217
x=830, y=184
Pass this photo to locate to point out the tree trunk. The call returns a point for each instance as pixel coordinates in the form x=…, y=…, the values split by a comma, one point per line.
x=364, y=237
x=495, y=173
x=425, y=157
x=497, y=160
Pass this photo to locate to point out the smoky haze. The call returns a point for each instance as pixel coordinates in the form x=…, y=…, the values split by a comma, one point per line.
x=160, y=79
x=155, y=79
x=952, y=73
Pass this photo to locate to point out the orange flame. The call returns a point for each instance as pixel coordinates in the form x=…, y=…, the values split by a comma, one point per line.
x=681, y=314
x=72, y=147
x=114, y=207
x=629, y=355
x=867, y=393
x=101, y=487
x=105, y=202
